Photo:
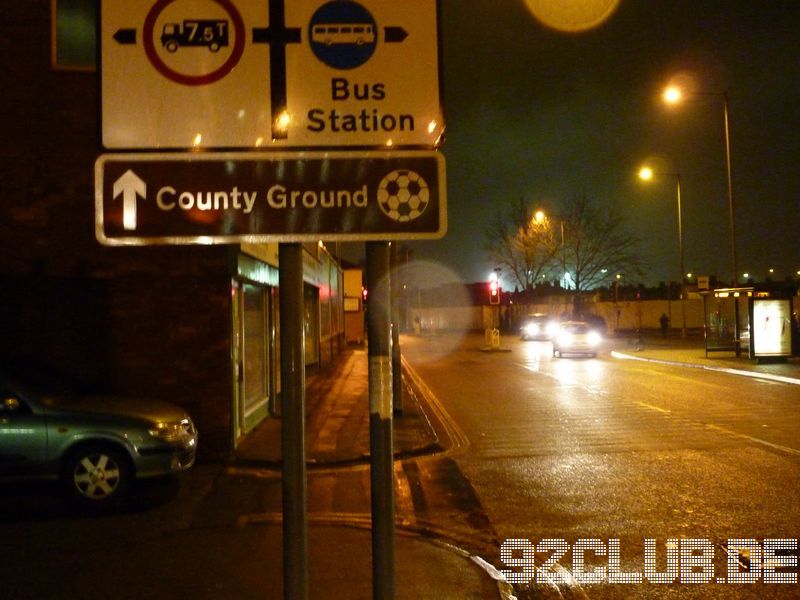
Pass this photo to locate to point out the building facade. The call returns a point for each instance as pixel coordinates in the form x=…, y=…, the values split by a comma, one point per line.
x=196, y=325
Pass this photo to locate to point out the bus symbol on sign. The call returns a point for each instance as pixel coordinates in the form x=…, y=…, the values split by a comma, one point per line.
x=211, y=33
x=342, y=34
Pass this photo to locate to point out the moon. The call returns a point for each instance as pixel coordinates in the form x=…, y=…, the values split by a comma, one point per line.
x=572, y=15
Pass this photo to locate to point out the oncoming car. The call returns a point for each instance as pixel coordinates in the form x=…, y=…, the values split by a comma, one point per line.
x=96, y=446
x=576, y=338
x=538, y=327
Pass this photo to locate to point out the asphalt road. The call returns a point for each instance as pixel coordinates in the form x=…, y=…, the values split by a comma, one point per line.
x=587, y=451
x=604, y=449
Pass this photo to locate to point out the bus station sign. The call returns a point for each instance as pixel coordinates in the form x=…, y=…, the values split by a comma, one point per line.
x=212, y=198
x=179, y=74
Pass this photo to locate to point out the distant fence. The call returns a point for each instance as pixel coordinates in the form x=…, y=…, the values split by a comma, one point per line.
x=619, y=316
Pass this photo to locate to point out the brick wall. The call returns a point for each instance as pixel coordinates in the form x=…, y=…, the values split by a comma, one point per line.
x=151, y=321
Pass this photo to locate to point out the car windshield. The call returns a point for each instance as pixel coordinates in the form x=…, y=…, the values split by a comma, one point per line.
x=576, y=328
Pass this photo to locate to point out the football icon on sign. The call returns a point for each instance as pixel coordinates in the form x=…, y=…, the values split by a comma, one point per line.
x=403, y=195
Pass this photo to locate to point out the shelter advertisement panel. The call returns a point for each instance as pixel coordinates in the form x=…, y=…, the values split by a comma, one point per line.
x=772, y=327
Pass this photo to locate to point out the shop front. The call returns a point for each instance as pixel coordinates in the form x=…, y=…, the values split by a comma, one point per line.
x=255, y=328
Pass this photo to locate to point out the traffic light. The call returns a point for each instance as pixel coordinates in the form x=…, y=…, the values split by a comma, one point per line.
x=494, y=292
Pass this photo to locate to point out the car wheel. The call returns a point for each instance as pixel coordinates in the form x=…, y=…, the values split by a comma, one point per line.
x=96, y=476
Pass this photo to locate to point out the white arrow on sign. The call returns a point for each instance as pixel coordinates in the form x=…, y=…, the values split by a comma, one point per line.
x=129, y=185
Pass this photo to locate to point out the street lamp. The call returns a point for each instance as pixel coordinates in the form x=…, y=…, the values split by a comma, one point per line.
x=541, y=218
x=646, y=174
x=674, y=95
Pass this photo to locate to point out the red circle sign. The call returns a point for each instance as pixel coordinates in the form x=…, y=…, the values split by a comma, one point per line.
x=168, y=72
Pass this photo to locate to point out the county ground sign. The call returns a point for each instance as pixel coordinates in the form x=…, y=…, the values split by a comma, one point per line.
x=212, y=198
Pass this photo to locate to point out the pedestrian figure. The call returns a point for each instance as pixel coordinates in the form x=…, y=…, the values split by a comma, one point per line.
x=664, y=320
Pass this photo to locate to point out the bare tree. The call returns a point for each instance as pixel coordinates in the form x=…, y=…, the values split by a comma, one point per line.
x=521, y=244
x=596, y=246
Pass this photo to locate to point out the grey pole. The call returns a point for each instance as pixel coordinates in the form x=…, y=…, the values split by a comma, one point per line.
x=380, y=421
x=680, y=252
x=731, y=207
x=293, y=386
x=394, y=292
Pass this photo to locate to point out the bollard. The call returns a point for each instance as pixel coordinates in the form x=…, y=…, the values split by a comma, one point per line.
x=495, y=338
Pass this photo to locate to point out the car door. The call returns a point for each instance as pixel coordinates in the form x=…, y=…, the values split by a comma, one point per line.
x=23, y=434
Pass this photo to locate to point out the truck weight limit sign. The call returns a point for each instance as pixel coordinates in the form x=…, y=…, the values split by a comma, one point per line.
x=220, y=74
x=197, y=198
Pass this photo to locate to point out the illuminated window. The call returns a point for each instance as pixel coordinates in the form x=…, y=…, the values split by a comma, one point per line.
x=74, y=34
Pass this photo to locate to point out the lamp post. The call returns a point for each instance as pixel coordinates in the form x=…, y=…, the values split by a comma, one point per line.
x=673, y=95
x=647, y=174
x=540, y=217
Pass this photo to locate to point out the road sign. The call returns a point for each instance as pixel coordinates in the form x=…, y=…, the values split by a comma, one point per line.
x=368, y=73
x=271, y=73
x=209, y=198
x=174, y=74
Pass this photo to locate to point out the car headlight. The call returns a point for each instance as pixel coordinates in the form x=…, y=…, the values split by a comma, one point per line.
x=172, y=431
x=593, y=338
x=552, y=329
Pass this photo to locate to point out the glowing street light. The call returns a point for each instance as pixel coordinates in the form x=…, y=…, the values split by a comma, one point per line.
x=673, y=95
x=647, y=174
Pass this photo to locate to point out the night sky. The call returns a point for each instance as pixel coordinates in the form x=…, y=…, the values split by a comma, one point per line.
x=546, y=116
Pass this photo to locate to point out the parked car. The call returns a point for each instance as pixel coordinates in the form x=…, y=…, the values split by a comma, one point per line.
x=538, y=326
x=96, y=446
x=576, y=337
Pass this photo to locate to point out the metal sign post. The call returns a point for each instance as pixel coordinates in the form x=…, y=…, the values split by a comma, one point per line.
x=210, y=75
x=380, y=420
x=293, y=386
x=397, y=381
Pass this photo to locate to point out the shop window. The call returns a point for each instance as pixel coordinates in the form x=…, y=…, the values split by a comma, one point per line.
x=255, y=354
x=311, y=324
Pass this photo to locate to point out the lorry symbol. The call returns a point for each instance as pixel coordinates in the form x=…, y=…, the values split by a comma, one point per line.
x=212, y=33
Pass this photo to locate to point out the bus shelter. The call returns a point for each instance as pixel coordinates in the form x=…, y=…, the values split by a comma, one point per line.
x=757, y=322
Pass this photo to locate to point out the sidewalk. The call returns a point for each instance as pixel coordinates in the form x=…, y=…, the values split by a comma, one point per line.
x=690, y=353
x=337, y=421
x=339, y=562
x=337, y=435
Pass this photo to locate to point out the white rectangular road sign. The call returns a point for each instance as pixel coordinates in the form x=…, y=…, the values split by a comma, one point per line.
x=367, y=73
x=218, y=74
x=176, y=74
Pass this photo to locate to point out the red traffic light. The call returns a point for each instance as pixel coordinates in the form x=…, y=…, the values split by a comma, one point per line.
x=494, y=292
